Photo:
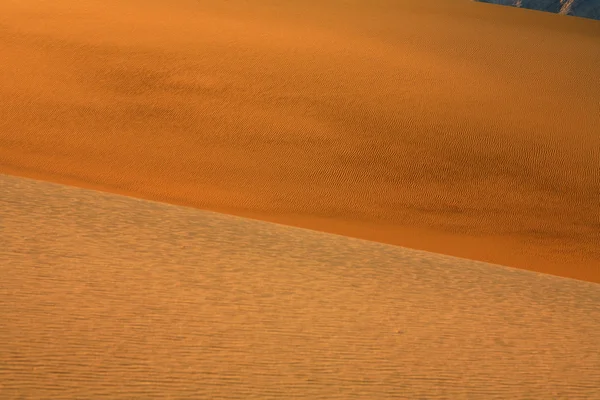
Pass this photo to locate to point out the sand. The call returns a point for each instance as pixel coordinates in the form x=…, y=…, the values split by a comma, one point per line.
x=104, y=296
x=448, y=126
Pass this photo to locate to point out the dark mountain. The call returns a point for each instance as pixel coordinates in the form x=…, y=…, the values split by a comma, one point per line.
x=577, y=8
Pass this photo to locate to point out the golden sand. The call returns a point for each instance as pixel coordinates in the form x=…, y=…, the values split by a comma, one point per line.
x=445, y=125
x=108, y=297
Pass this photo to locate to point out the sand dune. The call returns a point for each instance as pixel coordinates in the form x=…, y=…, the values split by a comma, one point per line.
x=444, y=125
x=104, y=296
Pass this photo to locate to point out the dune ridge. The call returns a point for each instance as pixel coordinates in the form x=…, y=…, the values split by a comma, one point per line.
x=105, y=296
x=441, y=125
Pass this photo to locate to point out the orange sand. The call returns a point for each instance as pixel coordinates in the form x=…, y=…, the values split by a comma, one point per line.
x=445, y=125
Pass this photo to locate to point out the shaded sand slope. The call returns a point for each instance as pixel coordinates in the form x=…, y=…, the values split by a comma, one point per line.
x=443, y=125
x=105, y=296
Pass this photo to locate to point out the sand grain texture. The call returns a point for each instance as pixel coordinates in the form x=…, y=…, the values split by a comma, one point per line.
x=105, y=296
x=444, y=125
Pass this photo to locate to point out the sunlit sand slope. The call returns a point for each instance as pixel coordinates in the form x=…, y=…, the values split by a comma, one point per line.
x=105, y=296
x=444, y=125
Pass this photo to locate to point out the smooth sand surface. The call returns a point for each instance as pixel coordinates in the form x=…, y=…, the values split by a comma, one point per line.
x=104, y=296
x=444, y=125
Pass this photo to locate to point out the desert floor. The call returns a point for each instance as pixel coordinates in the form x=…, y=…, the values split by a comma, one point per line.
x=445, y=125
x=104, y=296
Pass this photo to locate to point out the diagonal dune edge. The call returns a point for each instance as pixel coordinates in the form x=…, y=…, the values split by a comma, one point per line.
x=106, y=296
x=11, y=182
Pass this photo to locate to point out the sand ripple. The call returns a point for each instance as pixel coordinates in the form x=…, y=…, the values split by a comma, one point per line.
x=109, y=297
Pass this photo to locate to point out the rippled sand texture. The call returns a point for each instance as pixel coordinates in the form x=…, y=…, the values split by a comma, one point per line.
x=105, y=296
x=443, y=125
